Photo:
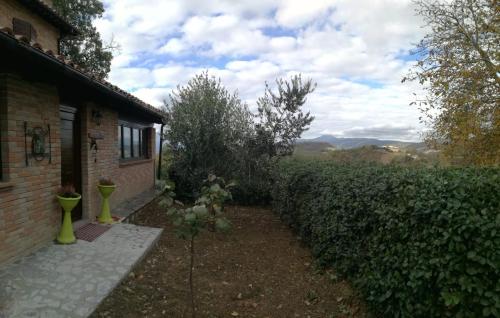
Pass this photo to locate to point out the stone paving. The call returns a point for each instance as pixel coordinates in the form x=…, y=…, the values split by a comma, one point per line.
x=128, y=208
x=71, y=280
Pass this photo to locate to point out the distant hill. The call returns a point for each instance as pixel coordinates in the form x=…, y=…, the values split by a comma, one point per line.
x=312, y=148
x=351, y=143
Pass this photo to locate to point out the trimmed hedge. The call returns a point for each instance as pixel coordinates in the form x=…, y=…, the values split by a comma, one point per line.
x=417, y=242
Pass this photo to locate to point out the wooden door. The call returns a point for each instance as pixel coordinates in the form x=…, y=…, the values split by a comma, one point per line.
x=70, y=153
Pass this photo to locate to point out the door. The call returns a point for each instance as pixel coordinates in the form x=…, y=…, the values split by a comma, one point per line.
x=70, y=154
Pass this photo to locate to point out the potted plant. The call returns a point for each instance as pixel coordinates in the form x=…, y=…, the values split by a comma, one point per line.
x=106, y=186
x=68, y=199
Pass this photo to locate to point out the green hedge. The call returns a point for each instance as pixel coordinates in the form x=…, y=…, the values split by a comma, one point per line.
x=417, y=242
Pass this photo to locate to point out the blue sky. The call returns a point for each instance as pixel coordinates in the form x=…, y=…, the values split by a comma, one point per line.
x=356, y=51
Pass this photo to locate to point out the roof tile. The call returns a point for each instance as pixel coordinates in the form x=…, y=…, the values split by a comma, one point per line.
x=49, y=53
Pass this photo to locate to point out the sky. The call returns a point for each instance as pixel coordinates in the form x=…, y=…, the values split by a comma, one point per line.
x=357, y=51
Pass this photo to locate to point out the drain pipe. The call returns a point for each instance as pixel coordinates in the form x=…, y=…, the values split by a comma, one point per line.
x=161, y=152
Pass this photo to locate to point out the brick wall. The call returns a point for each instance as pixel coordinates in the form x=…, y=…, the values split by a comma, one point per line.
x=47, y=34
x=3, y=122
x=29, y=213
x=131, y=179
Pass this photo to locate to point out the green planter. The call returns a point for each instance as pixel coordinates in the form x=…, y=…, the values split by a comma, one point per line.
x=105, y=190
x=66, y=235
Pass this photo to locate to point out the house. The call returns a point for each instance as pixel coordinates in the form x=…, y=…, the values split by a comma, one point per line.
x=59, y=125
x=391, y=148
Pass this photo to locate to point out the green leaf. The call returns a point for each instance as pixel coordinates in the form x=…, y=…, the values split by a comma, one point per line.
x=166, y=202
x=190, y=217
x=200, y=211
x=451, y=298
x=215, y=187
x=171, y=211
x=222, y=225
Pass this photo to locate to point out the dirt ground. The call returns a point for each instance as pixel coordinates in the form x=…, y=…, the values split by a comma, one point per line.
x=259, y=269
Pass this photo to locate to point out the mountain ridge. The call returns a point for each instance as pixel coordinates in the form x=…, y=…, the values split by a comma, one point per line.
x=357, y=142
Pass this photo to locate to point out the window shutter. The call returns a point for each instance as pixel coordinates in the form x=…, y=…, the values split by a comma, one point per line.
x=21, y=27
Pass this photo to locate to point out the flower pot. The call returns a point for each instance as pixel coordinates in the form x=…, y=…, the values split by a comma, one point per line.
x=66, y=235
x=105, y=190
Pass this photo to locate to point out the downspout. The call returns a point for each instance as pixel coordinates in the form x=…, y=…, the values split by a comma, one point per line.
x=161, y=152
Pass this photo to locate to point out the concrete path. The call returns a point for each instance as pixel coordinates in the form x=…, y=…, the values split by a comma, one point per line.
x=71, y=280
x=128, y=208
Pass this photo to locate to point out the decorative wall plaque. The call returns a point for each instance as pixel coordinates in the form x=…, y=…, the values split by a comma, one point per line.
x=41, y=144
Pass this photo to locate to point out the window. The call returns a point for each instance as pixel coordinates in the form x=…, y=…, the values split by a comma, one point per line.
x=136, y=142
x=21, y=27
x=133, y=142
x=126, y=142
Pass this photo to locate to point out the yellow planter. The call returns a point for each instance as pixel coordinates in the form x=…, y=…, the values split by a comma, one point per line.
x=66, y=235
x=105, y=216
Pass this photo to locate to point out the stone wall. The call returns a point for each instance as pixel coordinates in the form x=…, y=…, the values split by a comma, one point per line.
x=29, y=213
x=47, y=34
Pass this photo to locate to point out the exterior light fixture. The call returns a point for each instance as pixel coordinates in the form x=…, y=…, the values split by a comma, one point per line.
x=96, y=117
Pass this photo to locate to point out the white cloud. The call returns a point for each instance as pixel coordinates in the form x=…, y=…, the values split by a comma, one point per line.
x=131, y=78
x=296, y=13
x=352, y=48
x=154, y=96
x=173, y=46
x=224, y=34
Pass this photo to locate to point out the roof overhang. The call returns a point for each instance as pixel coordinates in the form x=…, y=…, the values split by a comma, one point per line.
x=29, y=58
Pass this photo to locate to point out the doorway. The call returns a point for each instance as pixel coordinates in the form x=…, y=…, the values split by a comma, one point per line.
x=70, y=154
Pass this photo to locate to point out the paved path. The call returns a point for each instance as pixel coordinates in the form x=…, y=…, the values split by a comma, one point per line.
x=71, y=280
x=128, y=208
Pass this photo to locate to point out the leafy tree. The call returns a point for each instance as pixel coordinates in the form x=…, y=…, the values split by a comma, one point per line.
x=206, y=130
x=459, y=68
x=190, y=222
x=87, y=49
x=214, y=193
x=210, y=131
x=281, y=119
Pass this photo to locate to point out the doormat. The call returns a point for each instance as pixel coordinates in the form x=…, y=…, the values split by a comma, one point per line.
x=89, y=232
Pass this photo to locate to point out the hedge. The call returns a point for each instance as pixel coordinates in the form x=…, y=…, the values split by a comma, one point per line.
x=416, y=242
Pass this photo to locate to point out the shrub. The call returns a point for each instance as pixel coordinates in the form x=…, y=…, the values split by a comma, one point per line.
x=417, y=242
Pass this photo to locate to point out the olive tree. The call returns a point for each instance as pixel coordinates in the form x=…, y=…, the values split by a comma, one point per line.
x=206, y=130
x=211, y=131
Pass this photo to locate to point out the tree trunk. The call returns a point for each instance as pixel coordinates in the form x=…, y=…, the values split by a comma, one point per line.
x=191, y=265
x=211, y=220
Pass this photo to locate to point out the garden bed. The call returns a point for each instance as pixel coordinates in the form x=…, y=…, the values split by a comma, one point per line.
x=260, y=269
